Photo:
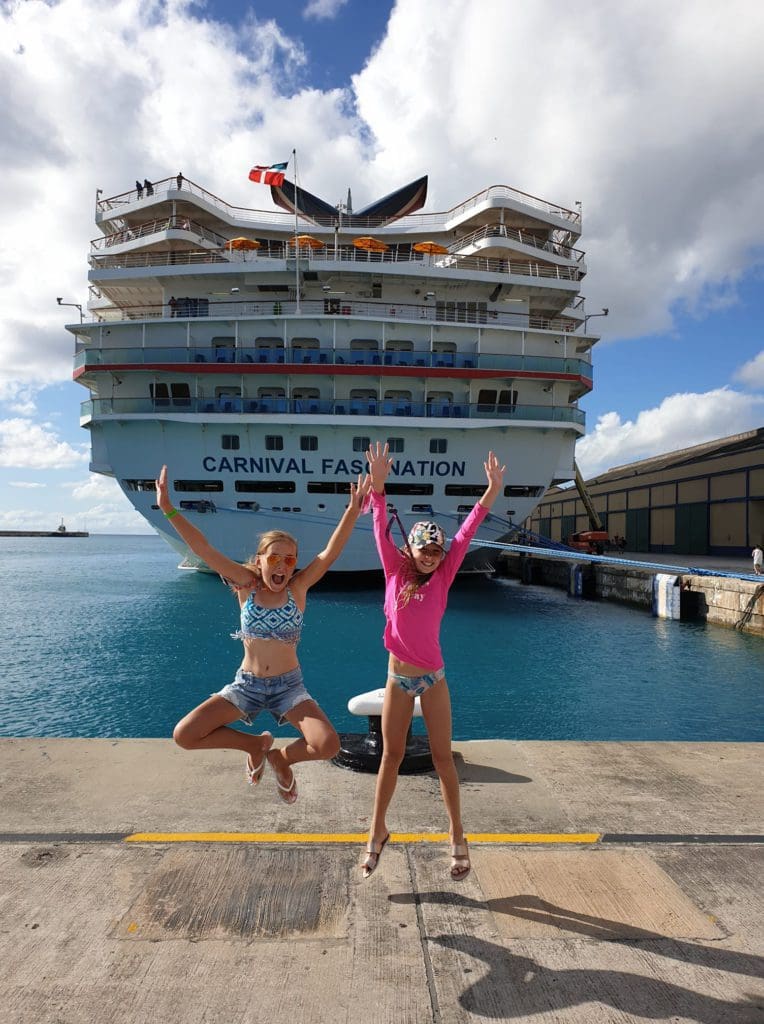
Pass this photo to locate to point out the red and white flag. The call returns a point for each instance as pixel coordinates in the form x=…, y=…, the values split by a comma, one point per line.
x=272, y=175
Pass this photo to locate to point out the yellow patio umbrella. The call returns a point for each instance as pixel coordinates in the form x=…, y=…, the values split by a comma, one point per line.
x=370, y=244
x=433, y=248
x=242, y=243
x=307, y=242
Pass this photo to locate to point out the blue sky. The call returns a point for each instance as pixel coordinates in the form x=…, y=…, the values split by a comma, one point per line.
x=599, y=103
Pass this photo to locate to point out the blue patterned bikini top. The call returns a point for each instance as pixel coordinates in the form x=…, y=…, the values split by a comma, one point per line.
x=259, y=623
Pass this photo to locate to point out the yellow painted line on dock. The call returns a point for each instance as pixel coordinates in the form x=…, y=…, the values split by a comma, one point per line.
x=359, y=837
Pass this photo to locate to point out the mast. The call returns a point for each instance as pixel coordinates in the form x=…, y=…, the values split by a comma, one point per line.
x=296, y=244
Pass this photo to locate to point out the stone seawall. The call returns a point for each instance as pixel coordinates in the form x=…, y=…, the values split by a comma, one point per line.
x=720, y=600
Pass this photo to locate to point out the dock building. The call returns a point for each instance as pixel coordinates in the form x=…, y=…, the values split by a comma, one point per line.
x=703, y=500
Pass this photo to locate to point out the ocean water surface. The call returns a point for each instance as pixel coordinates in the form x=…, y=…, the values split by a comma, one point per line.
x=104, y=637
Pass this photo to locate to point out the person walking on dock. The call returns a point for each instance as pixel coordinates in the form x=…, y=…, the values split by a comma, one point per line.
x=272, y=596
x=758, y=560
x=417, y=581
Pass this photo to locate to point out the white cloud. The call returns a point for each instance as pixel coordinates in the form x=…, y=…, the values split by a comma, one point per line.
x=323, y=9
x=680, y=421
x=26, y=485
x=752, y=372
x=95, y=488
x=28, y=445
x=643, y=112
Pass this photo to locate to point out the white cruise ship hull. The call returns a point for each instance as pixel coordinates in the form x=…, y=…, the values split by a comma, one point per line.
x=259, y=378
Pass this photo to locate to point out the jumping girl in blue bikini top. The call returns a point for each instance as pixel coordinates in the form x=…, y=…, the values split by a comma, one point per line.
x=259, y=623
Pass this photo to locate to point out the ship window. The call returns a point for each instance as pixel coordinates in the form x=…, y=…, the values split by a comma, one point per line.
x=523, y=492
x=361, y=444
x=438, y=445
x=366, y=393
x=269, y=342
x=303, y=343
x=265, y=486
x=401, y=395
x=507, y=401
x=248, y=506
x=395, y=444
x=399, y=345
x=306, y=393
x=271, y=393
x=230, y=442
x=140, y=485
x=364, y=345
x=410, y=488
x=464, y=509
x=444, y=346
x=328, y=487
x=198, y=485
x=426, y=509
x=274, y=443
x=198, y=506
x=308, y=443
x=464, y=490
x=462, y=312
x=486, y=400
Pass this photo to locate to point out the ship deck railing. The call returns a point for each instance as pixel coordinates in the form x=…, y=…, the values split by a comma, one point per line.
x=336, y=257
x=231, y=405
x=177, y=223
x=282, y=360
x=436, y=311
x=167, y=190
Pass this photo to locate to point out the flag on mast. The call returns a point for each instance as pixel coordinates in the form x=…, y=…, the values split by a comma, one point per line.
x=271, y=175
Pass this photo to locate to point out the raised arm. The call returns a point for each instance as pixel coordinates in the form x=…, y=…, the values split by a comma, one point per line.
x=495, y=475
x=195, y=539
x=379, y=465
x=461, y=542
x=323, y=561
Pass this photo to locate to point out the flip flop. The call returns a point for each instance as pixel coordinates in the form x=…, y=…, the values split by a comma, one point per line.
x=369, y=866
x=255, y=772
x=288, y=793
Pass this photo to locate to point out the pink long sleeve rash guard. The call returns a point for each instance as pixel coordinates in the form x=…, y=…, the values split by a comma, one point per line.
x=412, y=633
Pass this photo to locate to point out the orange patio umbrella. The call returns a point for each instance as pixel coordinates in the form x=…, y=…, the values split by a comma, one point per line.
x=242, y=243
x=370, y=244
x=433, y=248
x=307, y=242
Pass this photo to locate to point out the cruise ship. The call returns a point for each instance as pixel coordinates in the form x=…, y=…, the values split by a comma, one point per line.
x=258, y=352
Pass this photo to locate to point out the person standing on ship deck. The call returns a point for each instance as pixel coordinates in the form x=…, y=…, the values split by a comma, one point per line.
x=272, y=598
x=417, y=581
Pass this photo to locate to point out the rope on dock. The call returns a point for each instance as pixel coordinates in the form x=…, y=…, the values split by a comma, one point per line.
x=554, y=550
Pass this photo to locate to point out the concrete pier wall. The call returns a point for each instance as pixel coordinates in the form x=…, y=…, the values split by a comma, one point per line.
x=719, y=600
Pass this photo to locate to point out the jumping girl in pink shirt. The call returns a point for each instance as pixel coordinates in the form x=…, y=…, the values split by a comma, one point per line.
x=417, y=581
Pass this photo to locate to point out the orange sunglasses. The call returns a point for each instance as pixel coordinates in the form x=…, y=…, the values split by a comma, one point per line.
x=288, y=560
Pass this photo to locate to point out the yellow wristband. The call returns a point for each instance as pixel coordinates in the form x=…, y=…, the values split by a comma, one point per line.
x=171, y=513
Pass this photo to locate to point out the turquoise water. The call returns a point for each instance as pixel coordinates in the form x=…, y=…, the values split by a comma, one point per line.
x=104, y=637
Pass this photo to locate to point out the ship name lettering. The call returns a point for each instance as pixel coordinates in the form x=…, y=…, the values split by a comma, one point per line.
x=428, y=467
x=240, y=464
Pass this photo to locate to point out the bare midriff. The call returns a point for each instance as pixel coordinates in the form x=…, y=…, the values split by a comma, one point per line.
x=269, y=657
x=405, y=668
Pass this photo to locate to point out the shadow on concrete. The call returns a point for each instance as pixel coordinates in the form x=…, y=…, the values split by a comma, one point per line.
x=532, y=908
x=471, y=772
x=518, y=986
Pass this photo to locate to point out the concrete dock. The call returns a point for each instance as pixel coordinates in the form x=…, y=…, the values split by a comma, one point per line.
x=611, y=882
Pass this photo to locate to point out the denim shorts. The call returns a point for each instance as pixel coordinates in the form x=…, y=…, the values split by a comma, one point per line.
x=415, y=686
x=278, y=694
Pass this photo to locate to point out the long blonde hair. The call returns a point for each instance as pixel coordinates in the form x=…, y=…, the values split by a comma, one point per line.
x=413, y=580
x=264, y=541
